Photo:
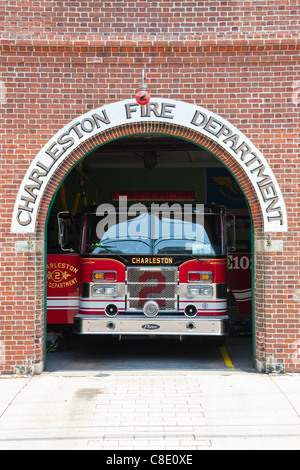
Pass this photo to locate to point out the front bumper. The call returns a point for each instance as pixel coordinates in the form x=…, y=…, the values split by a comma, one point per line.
x=130, y=325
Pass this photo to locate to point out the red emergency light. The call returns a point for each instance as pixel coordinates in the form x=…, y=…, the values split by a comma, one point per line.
x=155, y=195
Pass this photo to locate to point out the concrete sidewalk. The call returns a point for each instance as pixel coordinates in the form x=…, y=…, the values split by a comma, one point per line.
x=173, y=410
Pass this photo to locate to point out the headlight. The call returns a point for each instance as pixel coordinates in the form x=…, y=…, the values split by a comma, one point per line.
x=98, y=290
x=110, y=290
x=194, y=291
x=206, y=290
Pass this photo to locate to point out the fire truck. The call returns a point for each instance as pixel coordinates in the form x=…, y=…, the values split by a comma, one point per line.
x=239, y=266
x=141, y=268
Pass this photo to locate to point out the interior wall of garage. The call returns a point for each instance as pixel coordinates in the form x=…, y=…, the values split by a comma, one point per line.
x=238, y=59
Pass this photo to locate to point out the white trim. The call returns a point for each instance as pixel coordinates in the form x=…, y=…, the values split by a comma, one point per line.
x=61, y=302
x=100, y=304
x=211, y=304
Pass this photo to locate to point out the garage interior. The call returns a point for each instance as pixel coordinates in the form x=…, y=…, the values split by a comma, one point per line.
x=152, y=162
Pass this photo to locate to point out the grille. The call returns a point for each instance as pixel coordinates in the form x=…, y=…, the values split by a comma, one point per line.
x=159, y=284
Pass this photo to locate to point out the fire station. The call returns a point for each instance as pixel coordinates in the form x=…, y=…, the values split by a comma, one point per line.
x=149, y=159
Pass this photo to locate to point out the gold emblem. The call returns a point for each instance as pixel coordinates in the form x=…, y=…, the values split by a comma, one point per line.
x=57, y=275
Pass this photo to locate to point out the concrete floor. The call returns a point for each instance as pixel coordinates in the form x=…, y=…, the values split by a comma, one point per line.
x=150, y=395
x=180, y=410
x=91, y=352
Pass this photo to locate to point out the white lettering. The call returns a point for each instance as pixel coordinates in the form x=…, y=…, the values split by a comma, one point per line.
x=179, y=113
x=123, y=460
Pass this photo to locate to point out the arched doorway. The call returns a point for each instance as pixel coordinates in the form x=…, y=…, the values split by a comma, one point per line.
x=177, y=119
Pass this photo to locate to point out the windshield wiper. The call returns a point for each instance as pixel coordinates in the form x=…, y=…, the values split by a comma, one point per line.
x=120, y=240
x=197, y=259
x=114, y=252
x=106, y=248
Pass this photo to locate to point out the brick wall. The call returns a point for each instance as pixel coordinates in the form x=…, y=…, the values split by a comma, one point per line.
x=161, y=18
x=238, y=59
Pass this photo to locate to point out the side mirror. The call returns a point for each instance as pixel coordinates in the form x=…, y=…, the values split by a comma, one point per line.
x=62, y=219
x=231, y=232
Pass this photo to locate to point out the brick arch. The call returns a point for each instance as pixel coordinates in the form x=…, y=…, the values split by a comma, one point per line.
x=176, y=118
x=170, y=129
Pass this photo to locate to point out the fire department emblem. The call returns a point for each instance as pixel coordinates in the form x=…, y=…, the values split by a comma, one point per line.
x=57, y=275
x=61, y=275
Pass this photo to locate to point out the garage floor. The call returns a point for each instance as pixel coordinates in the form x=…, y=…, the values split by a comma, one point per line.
x=88, y=353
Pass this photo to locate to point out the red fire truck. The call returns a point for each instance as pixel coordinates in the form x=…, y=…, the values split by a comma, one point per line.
x=239, y=266
x=158, y=269
x=63, y=276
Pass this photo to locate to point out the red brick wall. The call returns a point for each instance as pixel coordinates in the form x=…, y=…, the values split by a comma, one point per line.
x=161, y=18
x=238, y=59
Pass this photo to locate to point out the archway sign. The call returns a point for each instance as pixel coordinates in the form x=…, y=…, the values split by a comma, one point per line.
x=158, y=110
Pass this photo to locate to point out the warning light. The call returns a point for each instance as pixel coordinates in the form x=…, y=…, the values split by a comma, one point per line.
x=104, y=276
x=143, y=96
x=198, y=276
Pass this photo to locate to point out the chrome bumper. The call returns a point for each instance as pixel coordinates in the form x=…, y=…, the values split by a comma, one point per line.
x=129, y=325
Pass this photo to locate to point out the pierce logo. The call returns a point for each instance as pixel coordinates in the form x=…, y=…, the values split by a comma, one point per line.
x=150, y=326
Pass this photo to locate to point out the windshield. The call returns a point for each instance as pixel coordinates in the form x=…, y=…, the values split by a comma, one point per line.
x=155, y=233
